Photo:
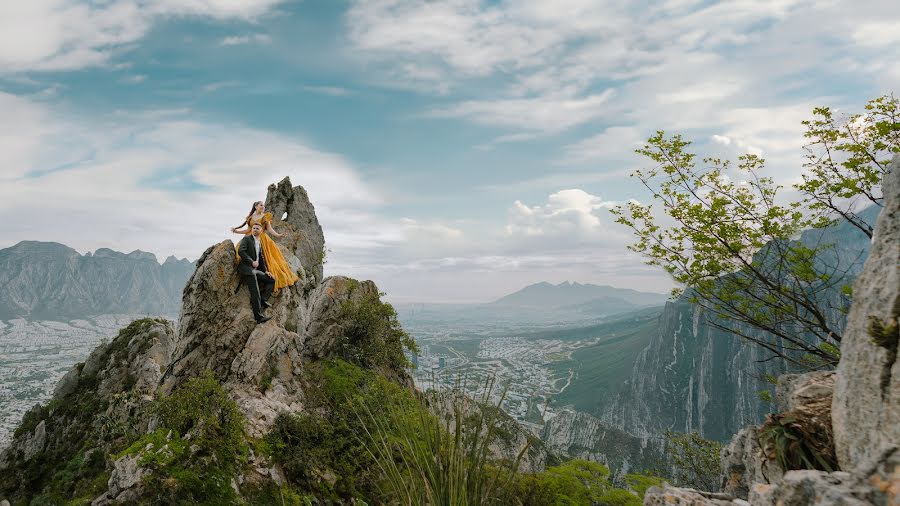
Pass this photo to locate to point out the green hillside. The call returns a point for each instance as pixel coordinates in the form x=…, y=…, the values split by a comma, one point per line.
x=600, y=369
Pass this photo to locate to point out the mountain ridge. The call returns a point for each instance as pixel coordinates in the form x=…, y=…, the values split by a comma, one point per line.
x=567, y=293
x=52, y=281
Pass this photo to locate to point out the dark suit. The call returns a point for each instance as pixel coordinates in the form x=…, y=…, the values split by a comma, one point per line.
x=259, y=284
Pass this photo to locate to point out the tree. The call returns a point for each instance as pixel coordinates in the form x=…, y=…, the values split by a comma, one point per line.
x=730, y=243
x=847, y=159
x=695, y=460
x=733, y=244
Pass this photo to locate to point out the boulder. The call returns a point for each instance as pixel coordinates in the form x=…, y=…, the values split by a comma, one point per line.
x=670, y=496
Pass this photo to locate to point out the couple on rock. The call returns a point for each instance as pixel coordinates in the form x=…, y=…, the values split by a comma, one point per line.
x=260, y=263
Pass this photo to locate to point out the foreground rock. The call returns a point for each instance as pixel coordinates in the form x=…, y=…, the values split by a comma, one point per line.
x=853, y=425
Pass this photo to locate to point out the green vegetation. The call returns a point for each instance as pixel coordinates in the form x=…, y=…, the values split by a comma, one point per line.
x=847, y=158
x=73, y=468
x=440, y=454
x=578, y=482
x=601, y=368
x=791, y=445
x=372, y=336
x=321, y=450
x=695, y=460
x=732, y=243
x=198, y=448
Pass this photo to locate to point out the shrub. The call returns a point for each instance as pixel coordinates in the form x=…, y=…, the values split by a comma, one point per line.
x=372, y=336
x=198, y=448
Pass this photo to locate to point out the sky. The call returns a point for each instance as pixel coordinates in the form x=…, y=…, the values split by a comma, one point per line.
x=455, y=151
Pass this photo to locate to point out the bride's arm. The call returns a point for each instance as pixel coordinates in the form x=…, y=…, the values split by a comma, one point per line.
x=271, y=230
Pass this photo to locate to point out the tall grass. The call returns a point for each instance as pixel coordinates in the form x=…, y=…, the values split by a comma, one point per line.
x=439, y=451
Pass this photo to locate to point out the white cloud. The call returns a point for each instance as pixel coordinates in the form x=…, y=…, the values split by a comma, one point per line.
x=237, y=40
x=615, y=143
x=71, y=34
x=333, y=91
x=133, y=79
x=160, y=181
x=547, y=113
x=568, y=215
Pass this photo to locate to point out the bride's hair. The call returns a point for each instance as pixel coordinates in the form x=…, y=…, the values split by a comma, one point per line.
x=252, y=210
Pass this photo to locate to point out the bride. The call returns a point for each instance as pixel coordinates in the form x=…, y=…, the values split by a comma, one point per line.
x=277, y=265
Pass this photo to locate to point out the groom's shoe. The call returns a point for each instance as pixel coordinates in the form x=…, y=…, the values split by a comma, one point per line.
x=266, y=305
x=263, y=319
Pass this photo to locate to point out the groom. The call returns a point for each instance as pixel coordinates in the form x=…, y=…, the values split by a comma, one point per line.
x=256, y=275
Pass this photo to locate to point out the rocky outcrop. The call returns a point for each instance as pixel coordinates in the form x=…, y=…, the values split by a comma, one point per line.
x=669, y=496
x=49, y=281
x=291, y=205
x=580, y=435
x=866, y=410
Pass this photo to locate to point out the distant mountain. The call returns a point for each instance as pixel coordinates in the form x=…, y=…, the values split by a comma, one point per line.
x=51, y=281
x=602, y=306
x=547, y=295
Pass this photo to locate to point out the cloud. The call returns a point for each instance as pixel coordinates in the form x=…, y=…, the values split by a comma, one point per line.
x=570, y=216
x=52, y=35
x=216, y=86
x=333, y=91
x=547, y=113
x=615, y=143
x=752, y=78
x=238, y=40
x=161, y=181
x=133, y=79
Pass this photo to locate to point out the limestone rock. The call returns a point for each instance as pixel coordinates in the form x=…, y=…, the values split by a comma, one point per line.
x=291, y=205
x=668, y=496
x=866, y=408
x=744, y=463
x=794, y=390
x=37, y=440
x=125, y=479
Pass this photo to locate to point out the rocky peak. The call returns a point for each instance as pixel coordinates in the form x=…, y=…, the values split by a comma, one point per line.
x=107, y=401
x=291, y=206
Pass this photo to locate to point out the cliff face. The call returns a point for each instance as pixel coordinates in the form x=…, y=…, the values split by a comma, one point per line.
x=694, y=376
x=45, y=280
x=583, y=436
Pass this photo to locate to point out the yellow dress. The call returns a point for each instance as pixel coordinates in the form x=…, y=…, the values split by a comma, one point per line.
x=277, y=265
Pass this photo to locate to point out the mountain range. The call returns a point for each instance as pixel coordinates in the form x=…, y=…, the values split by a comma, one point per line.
x=580, y=297
x=51, y=281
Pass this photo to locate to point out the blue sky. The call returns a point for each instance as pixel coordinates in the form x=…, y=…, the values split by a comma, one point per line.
x=455, y=150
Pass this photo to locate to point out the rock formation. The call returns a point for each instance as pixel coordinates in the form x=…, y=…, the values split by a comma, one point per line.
x=863, y=412
x=110, y=403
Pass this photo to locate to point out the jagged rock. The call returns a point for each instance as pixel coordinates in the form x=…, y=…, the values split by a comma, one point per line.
x=866, y=410
x=744, y=463
x=581, y=435
x=668, y=495
x=67, y=383
x=805, y=399
x=35, y=443
x=291, y=205
x=794, y=390
x=125, y=480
